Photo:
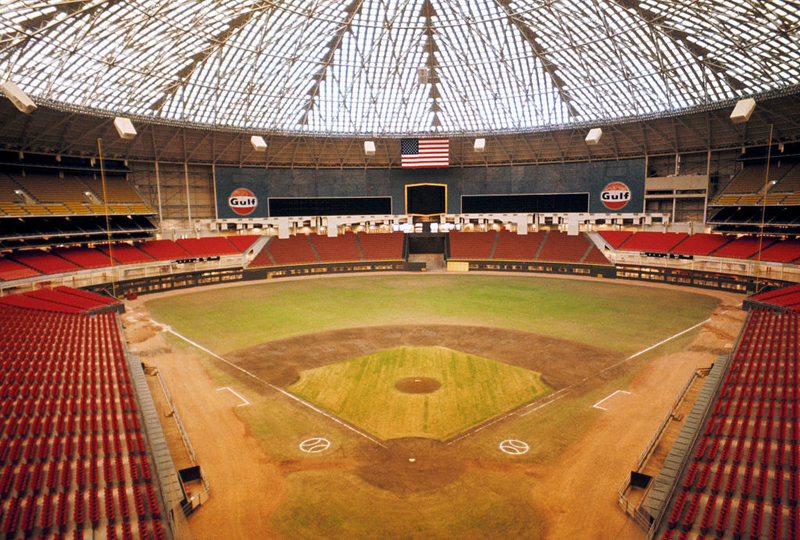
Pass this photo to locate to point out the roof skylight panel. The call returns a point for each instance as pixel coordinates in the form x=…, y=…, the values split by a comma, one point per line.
x=14, y=15
x=717, y=88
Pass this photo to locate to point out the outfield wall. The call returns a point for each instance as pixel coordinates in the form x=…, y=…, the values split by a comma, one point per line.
x=199, y=278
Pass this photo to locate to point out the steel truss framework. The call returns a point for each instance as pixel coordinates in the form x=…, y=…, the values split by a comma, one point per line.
x=56, y=132
x=392, y=67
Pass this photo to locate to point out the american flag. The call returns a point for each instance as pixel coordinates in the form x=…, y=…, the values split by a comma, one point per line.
x=418, y=153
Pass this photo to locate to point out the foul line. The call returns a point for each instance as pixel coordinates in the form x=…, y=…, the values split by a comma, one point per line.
x=597, y=405
x=551, y=398
x=235, y=393
x=631, y=357
x=670, y=338
x=554, y=397
x=281, y=390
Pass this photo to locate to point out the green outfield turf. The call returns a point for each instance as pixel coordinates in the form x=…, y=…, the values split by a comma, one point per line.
x=614, y=315
x=473, y=389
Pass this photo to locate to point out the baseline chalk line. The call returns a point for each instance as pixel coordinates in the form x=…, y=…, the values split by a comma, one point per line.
x=277, y=389
x=235, y=393
x=597, y=405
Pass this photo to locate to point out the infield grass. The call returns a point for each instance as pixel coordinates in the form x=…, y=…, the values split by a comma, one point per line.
x=473, y=389
x=618, y=316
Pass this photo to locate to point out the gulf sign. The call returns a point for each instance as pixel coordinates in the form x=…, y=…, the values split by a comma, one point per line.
x=615, y=196
x=242, y=201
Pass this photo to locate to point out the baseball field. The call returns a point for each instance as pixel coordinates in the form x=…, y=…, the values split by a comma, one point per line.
x=435, y=403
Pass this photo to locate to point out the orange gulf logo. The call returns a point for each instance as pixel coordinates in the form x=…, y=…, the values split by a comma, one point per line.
x=242, y=201
x=615, y=195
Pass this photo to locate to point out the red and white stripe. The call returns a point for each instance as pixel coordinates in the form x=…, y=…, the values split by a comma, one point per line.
x=432, y=153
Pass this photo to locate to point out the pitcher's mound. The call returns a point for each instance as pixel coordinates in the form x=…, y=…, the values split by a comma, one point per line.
x=418, y=385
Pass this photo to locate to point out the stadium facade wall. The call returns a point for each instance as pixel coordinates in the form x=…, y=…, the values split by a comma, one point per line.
x=567, y=178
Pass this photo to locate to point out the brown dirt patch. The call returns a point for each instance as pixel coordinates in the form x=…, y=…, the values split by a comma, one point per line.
x=388, y=467
x=561, y=362
x=418, y=385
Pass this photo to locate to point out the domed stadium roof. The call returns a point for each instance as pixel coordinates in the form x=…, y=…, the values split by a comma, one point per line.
x=393, y=67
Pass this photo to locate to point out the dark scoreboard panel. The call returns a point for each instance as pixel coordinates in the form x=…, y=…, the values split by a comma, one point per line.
x=525, y=204
x=329, y=206
x=426, y=199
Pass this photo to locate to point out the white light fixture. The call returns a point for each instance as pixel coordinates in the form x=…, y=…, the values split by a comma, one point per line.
x=258, y=142
x=742, y=111
x=19, y=98
x=125, y=128
x=594, y=136
x=480, y=145
x=369, y=148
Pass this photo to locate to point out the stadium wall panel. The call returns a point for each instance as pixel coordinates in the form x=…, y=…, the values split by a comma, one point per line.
x=567, y=178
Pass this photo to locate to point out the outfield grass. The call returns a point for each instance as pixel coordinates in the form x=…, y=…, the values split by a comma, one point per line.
x=362, y=391
x=618, y=316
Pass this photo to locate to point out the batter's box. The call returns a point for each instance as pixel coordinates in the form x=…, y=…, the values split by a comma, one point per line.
x=241, y=400
x=610, y=401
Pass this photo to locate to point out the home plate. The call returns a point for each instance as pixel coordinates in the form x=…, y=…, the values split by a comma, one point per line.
x=609, y=401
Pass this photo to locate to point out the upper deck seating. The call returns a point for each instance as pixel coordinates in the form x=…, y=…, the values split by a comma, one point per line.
x=790, y=183
x=50, y=188
x=12, y=209
x=8, y=189
x=117, y=189
x=753, y=177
